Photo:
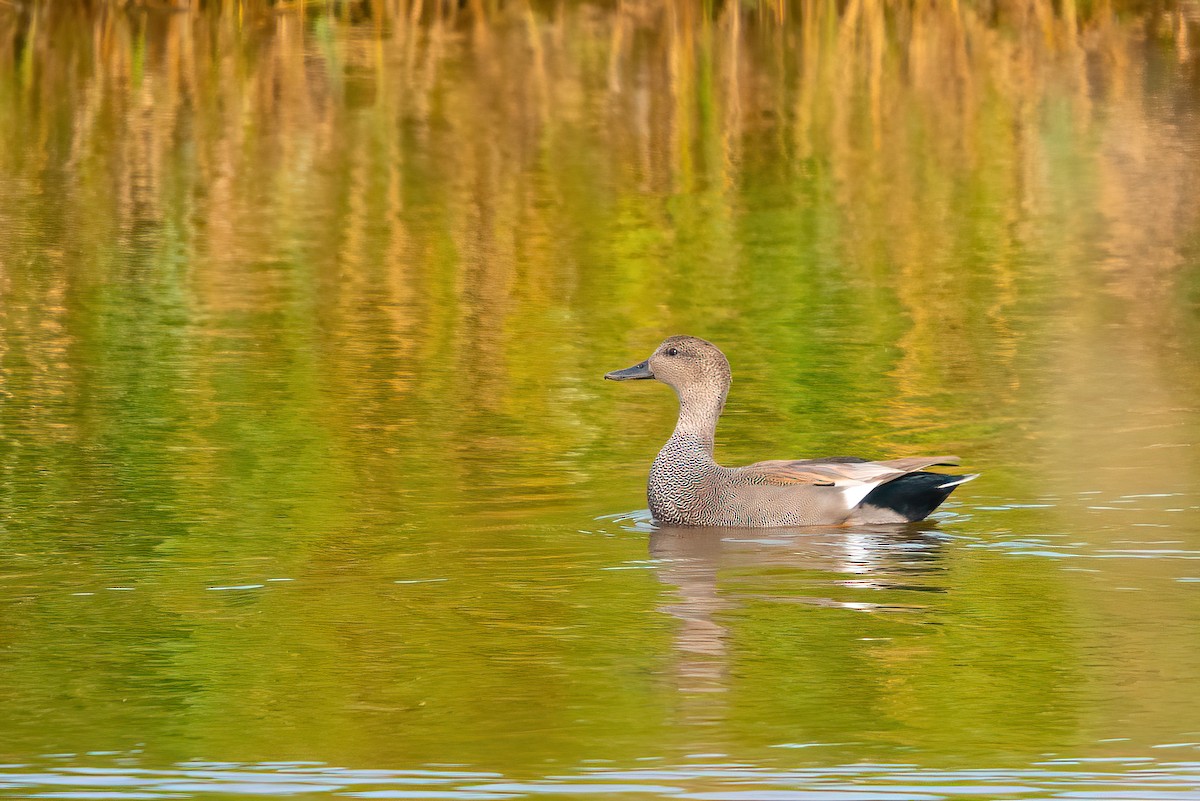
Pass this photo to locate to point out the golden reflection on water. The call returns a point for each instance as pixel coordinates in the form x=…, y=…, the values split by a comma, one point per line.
x=469, y=176
x=324, y=293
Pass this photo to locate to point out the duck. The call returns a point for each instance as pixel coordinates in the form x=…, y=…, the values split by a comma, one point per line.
x=686, y=486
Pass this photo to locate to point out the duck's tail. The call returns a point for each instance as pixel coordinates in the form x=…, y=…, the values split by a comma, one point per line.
x=909, y=498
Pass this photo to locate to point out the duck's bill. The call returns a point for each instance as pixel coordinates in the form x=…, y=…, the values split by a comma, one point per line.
x=631, y=373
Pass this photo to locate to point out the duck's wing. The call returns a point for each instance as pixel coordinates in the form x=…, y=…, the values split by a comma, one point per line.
x=854, y=478
x=839, y=470
x=911, y=464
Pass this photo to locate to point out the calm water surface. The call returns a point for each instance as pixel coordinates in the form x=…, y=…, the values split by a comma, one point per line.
x=309, y=482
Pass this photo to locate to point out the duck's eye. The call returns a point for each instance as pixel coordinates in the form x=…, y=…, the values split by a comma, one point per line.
x=672, y=351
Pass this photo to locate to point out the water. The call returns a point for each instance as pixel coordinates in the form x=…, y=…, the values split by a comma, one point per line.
x=309, y=482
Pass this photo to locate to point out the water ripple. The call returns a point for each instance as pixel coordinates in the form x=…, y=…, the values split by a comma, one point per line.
x=1131, y=777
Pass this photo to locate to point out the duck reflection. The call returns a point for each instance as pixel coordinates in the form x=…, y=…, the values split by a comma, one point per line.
x=768, y=565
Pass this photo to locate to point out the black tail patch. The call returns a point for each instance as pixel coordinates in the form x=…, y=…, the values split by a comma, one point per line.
x=912, y=496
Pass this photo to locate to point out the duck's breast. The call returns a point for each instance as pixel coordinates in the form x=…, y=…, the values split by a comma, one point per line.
x=684, y=484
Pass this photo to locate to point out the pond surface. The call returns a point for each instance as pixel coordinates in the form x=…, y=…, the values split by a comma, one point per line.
x=309, y=482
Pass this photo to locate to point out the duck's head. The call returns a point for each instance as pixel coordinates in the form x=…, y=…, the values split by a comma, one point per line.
x=689, y=365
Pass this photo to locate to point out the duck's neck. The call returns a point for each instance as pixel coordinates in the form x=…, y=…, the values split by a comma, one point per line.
x=698, y=415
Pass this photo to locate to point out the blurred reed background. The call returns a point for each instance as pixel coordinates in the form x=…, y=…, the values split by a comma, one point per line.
x=488, y=185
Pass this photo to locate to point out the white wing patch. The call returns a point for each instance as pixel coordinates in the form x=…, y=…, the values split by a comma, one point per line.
x=854, y=493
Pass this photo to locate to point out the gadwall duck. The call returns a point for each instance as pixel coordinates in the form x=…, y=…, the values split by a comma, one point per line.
x=688, y=488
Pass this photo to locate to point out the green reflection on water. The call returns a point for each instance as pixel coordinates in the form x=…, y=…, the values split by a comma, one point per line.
x=314, y=303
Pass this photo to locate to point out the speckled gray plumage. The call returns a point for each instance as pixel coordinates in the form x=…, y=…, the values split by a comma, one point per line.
x=687, y=487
